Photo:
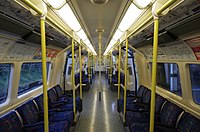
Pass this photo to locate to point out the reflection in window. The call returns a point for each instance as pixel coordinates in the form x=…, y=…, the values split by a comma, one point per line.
x=195, y=81
x=4, y=81
x=30, y=76
x=168, y=77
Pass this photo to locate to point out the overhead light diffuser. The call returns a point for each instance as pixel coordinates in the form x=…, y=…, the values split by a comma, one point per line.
x=142, y=3
x=81, y=34
x=131, y=15
x=56, y=3
x=87, y=42
x=117, y=34
x=68, y=16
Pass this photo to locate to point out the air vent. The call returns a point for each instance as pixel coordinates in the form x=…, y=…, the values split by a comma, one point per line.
x=99, y=1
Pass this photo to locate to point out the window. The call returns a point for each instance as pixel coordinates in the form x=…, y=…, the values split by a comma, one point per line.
x=4, y=81
x=195, y=77
x=168, y=77
x=30, y=76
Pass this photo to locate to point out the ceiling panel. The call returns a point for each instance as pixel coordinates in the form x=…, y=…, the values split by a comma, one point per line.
x=99, y=16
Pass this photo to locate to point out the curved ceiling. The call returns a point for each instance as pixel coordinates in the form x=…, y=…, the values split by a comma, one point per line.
x=99, y=16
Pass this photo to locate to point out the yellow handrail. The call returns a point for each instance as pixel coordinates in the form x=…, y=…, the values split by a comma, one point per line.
x=44, y=73
x=119, y=67
x=89, y=66
x=154, y=64
x=154, y=70
x=125, y=81
x=80, y=59
x=110, y=66
x=73, y=81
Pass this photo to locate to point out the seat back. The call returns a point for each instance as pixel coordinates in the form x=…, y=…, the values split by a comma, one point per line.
x=28, y=112
x=52, y=96
x=146, y=96
x=169, y=114
x=58, y=90
x=188, y=123
x=10, y=123
x=39, y=101
x=141, y=90
x=159, y=102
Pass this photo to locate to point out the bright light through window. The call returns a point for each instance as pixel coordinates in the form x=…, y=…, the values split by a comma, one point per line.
x=143, y=3
x=82, y=34
x=68, y=16
x=117, y=34
x=131, y=15
x=56, y=3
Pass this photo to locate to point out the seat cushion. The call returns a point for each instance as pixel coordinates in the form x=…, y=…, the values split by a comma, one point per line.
x=188, y=123
x=62, y=116
x=10, y=123
x=28, y=113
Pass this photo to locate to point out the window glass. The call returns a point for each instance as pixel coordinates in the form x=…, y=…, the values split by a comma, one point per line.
x=168, y=77
x=30, y=76
x=4, y=81
x=195, y=81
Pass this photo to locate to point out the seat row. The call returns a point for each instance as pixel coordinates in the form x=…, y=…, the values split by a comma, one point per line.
x=85, y=80
x=29, y=116
x=168, y=116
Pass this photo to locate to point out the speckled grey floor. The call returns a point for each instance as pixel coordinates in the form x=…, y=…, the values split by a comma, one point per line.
x=99, y=116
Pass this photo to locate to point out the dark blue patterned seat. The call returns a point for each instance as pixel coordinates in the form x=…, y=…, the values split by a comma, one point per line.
x=10, y=123
x=55, y=102
x=68, y=98
x=139, y=103
x=131, y=98
x=63, y=103
x=55, y=114
x=33, y=123
x=143, y=115
x=187, y=123
x=167, y=117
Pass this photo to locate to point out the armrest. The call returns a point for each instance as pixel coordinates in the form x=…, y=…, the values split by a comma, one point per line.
x=163, y=128
x=133, y=96
x=33, y=125
x=144, y=110
x=142, y=104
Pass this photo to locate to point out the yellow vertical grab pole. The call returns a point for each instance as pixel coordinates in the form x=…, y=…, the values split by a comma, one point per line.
x=125, y=82
x=110, y=66
x=119, y=67
x=100, y=44
x=89, y=66
x=80, y=59
x=73, y=81
x=154, y=71
x=44, y=74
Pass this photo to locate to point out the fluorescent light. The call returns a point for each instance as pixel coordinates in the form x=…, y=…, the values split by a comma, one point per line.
x=117, y=34
x=81, y=34
x=68, y=16
x=92, y=49
x=87, y=42
x=112, y=43
x=56, y=3
x=131, y=15
x=143, y=3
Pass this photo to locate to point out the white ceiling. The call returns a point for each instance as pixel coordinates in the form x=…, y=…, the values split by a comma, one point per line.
x=99, y=16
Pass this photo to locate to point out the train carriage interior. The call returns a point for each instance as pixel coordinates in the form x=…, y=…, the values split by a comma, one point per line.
x=100, y=65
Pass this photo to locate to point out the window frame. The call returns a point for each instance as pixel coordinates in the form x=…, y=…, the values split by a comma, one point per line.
x=10, y=81
x=187, y=65
x=37, y=88
x=180, y=97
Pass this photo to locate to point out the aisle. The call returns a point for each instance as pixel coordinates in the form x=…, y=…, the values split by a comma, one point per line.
x=99, y=116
